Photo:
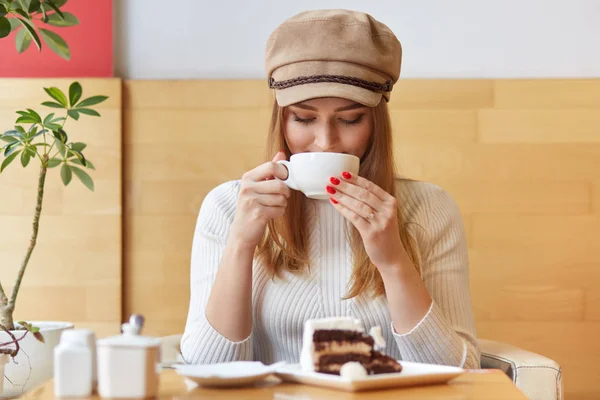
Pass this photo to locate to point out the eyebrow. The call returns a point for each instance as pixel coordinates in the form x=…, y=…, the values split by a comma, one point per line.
x=352, y=106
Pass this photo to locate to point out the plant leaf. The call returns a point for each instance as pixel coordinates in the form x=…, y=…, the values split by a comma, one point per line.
x=75, y=91
x=68, y=20
x=54, y=7
x=61, y=147
x=39, y=133
x=79, y=155
x=25, y=158
x=27, y=25
x=14, y=24
x=32, y=131
x=52, y=104
x=25, y=120
x=9, y=139
x=39, y=337
x=13, y=133
x=90, y=101
x=22, y=13
x=73, y=114
x=25, y=4
x=35, y=115
x=88, y=163
x=55, y=162
x=34, y=6
x=78, y=146
x=11, y=148
x=8, y=160
x=3, y=11
x=56, y=43
x=44, y=14
x=48, y=119
x=66, y=174
x=84, y=178
x=59, y=3
x=57, y=95
x=61, y=135
x=53, y=126
x=22, y=40
x=87, y=111
x=5, y=27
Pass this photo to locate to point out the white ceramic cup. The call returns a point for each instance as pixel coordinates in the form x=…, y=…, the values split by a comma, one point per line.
x=310, y=172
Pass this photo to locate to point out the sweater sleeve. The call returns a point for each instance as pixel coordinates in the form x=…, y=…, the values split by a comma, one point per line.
x=201, y=343
x=446, y=334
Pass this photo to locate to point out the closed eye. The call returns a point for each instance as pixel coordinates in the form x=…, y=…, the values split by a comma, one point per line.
x=354, y=121
x=302, y=120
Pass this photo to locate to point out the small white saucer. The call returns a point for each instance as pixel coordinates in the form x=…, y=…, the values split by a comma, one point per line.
x=231, y=374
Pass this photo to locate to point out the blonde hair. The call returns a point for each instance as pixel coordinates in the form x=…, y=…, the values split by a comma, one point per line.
x=285, y=243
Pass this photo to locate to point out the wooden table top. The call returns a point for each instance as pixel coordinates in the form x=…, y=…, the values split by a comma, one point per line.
x=485, y=384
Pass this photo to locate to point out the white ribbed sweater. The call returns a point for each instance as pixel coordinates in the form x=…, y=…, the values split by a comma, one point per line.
x=446, y=335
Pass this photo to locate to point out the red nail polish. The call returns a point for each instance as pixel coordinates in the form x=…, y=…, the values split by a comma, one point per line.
x=334, y=180
x=346, y=175
x=330, y=190
x=333, y=201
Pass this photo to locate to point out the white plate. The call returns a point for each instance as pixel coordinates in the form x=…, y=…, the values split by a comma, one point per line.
x=412, y=374
x=231, y=374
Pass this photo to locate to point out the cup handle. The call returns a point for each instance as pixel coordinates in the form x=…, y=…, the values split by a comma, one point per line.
x=290, y=182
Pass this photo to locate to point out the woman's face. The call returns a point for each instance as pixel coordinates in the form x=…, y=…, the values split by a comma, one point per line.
x=328, y=125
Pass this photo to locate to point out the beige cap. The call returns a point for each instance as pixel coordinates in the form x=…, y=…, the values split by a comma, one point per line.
x=332, y=53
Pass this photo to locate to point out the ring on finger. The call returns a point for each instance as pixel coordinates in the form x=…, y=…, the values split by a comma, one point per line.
x=371, y=216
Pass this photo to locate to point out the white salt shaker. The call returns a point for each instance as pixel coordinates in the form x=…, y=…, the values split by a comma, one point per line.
x=73, y=364
x=128, y=363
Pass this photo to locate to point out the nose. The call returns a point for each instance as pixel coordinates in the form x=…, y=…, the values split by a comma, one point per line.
x=326, y=137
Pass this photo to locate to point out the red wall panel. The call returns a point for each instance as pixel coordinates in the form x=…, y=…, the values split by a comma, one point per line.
x=90, y=42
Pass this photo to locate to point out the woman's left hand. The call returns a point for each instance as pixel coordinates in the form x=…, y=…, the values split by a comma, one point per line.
x=374, y=213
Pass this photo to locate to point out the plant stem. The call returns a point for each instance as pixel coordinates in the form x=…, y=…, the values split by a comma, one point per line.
x=33, y=241
x=6, y=318
x=5, y=312
x=3, y=299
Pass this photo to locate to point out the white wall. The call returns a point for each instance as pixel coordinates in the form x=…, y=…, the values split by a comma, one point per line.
x=183, y=39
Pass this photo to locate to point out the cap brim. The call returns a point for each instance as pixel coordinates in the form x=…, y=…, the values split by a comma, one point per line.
x=296, y=94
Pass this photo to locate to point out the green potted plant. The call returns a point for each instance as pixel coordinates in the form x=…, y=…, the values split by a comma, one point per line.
x=26, y=348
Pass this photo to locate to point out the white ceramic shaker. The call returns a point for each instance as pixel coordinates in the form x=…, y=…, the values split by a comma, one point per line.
x=73, y=376
x=128, y=364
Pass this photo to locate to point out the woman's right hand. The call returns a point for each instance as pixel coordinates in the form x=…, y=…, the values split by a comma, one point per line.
x=261, y=198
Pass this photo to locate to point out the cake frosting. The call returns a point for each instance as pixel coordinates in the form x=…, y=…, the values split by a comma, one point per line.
x=353, y=370
x=377, y=336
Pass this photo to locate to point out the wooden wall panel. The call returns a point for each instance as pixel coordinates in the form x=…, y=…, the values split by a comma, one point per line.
x=75, y=271
x=530, y=197
x=539, y=126
x=521, y=157
x=547, y=93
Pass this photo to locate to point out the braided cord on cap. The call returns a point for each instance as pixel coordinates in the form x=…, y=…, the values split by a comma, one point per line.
x=347, y=80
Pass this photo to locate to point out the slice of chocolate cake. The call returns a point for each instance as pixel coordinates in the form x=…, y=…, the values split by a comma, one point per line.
x=333, y=348
x=330, y=343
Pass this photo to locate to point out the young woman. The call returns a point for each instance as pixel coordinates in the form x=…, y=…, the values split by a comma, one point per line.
x=387, y=251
